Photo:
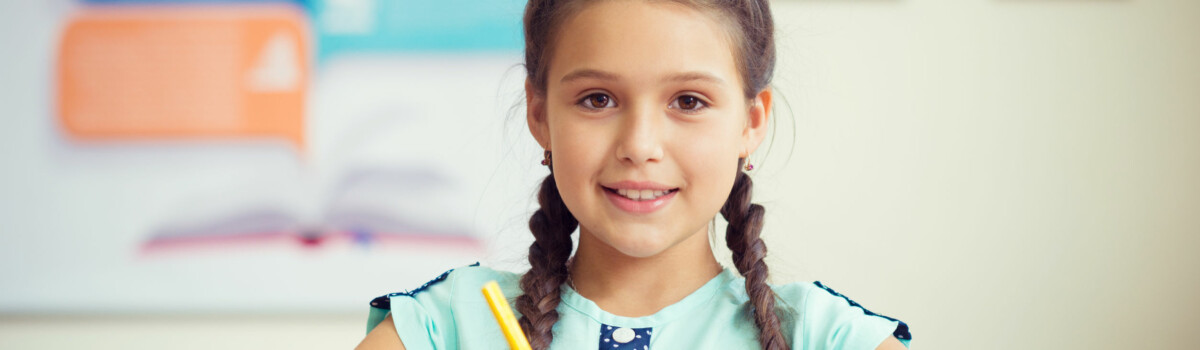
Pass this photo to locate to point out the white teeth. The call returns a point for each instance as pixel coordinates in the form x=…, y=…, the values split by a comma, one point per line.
x=641, y=194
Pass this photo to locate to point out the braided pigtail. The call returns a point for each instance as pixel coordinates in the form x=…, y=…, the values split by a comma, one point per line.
x=742, y=236
x=552, y=226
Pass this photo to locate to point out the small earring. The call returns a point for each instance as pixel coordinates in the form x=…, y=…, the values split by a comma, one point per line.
x=546, y=158
x=748, y=166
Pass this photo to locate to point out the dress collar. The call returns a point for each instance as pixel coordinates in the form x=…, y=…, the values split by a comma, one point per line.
x=697, y=298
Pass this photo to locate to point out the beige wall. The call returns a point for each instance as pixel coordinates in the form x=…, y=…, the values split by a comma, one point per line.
x=997, y=173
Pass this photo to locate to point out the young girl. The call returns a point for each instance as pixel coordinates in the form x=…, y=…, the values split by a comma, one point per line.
x=647, y=111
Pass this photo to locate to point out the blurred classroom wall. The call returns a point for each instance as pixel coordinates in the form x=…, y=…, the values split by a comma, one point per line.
x=996, y=173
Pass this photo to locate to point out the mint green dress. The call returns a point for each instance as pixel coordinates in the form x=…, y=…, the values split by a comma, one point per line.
x=449, y=312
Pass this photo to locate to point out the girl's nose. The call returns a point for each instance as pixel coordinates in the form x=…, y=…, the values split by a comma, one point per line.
x=641, y=135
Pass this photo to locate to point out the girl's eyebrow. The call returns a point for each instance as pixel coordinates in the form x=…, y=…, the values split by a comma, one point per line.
x=695, y=76
x=677, y=77
x=588, y=73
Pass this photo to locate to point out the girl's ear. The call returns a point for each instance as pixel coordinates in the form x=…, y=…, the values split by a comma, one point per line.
x=535, y=115
x=756, y=125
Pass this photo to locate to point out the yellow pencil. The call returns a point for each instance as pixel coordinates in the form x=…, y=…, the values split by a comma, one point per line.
x=504, y=315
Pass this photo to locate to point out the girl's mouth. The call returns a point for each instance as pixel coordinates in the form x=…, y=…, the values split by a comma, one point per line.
x=639, y=201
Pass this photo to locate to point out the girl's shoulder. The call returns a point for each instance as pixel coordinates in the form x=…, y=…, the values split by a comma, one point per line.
x=453, y=282
x=431, y=315
x=824, y=318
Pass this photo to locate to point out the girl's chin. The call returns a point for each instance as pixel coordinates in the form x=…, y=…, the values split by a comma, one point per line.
x=638, y=246
x=637, y=240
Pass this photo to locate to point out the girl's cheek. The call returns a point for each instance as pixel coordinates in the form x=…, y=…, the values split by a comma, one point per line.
x=708, y=153
x=578, y=148
x=707, y=143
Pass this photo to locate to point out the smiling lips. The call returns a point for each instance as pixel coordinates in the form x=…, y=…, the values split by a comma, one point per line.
x=639, y=197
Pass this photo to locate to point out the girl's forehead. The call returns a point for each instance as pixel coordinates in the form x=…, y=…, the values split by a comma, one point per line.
x=642, y=40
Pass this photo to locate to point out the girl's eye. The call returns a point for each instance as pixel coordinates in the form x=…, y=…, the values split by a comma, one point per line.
x=597, y=101
x=688, y=103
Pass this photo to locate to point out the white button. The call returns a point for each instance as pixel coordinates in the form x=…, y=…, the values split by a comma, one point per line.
x=623, y=335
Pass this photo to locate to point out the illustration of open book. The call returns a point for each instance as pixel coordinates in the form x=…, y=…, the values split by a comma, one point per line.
x=365, y=207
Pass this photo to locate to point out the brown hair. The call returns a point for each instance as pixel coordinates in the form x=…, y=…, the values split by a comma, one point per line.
x=752, y=28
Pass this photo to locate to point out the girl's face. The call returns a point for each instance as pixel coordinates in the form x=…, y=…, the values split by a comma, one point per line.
x=645, y=114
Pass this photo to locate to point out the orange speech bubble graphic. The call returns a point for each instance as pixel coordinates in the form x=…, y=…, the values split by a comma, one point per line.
x=191, y=72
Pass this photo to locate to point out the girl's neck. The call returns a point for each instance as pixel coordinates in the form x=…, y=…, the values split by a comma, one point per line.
x=633, y=287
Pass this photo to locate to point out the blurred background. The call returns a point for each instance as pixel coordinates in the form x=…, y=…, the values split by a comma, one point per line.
x=240, y=174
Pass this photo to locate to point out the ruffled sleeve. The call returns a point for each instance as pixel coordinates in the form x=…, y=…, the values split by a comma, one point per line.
x=829, y=320
x=423, y=316
x=448, y=312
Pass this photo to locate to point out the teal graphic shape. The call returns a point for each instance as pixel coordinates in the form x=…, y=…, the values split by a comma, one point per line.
x=417, y=25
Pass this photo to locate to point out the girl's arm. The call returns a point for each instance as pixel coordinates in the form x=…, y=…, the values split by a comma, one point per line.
x=384, y=337
x=888, y=344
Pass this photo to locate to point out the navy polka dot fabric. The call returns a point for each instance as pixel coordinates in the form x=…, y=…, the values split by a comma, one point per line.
x=621, y=338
